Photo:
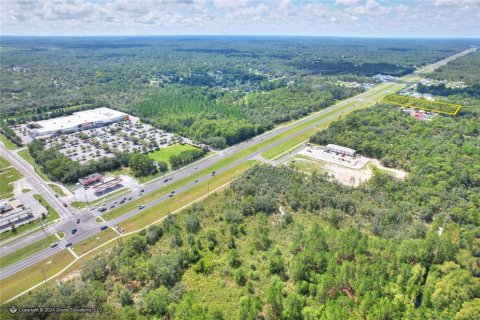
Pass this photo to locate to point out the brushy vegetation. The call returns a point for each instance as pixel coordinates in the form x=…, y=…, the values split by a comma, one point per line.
x=282, y=245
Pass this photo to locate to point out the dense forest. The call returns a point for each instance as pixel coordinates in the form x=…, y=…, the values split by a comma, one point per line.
x=221, y=120
x=120, y=71
x=279, y=244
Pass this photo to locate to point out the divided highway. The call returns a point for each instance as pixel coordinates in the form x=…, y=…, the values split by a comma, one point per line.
x=88, y=227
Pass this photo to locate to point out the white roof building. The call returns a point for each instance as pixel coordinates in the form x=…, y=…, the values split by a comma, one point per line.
x=341, y=150
x=78, y=121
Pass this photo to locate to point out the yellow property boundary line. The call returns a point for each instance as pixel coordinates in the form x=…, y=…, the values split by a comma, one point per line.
x=385, y=100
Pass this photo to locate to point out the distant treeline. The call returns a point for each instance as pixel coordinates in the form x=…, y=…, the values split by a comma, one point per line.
x=442, y=90
x=346, y=67
x=186, y=157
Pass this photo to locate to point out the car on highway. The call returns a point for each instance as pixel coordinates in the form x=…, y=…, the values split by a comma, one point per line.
x=74, y=230
x=143, y=190
x=112, y=206
x=68, y=245
x=170, y=195
x=196, y=181
x=78, y=220
x=166, y=180
x=65, y=205
x=102, y=209
x=53, y=245
x=122, y=201
x=195, y=168
x=129, y=198
x=103, y=227
x=214, y=172
x=115, y=202
x=171, y=178
x=141, y=207
x=173, y=191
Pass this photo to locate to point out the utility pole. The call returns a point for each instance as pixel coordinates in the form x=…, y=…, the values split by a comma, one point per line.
x=44, y=278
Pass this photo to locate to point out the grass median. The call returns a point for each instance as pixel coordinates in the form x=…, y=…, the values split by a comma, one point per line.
x=27, y=251
x=57, y=189
x=113, y=195
x=30, y=276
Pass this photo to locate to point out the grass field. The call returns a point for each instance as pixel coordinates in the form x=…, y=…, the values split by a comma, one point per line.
x=422, y=104
x=57, y=189
x=8, y=144
x=113, y=195
x=25, y=155
x=164, y=154
x=7, y=177
x=27, y=251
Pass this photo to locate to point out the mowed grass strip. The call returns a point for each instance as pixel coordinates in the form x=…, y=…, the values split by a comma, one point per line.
x=164, y=154
x=27, y=251
x=8, y=144
x=57, y=189
x=4, y=163
x=28, y=277
x=27, y=157
x=92, y=242
x=183, y=199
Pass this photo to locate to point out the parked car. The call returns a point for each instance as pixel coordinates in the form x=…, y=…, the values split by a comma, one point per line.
x=74, y=230
x=103, y=227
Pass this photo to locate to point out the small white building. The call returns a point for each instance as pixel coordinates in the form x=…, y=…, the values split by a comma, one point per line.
x=78, y=121
x=341, y=150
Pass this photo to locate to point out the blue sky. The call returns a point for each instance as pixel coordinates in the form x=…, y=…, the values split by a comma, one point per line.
x=376, y=18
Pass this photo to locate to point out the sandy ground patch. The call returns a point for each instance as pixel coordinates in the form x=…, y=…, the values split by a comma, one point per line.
x=344, y=175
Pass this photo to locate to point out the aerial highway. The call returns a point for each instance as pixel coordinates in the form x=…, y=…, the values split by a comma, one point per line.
x=89, y=227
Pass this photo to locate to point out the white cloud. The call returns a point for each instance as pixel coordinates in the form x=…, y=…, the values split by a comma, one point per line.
x=346, y=2
x=371, y=7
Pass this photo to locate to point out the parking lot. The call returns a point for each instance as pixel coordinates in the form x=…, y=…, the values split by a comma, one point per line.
x=105, y=141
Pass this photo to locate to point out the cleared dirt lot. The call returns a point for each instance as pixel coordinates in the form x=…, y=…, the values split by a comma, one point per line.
x=344, y=175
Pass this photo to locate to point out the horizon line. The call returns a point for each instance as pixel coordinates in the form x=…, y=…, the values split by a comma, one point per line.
x=240, y=35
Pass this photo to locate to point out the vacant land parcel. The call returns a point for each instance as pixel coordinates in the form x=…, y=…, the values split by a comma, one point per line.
x=434, y=106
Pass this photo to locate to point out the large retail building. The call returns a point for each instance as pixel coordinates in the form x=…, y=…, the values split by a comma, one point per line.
x=77, y=121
